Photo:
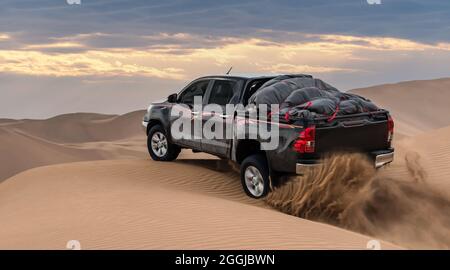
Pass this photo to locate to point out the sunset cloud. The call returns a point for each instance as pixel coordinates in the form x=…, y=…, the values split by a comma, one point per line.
x=4, y=37
x=92, y=63
x=56, y=45
x=381, y=43
x=180, y=56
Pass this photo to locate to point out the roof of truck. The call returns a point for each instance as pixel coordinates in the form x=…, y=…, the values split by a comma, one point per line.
x=249, y=77
x=235, y=77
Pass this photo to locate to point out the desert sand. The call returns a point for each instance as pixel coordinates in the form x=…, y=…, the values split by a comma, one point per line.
x=139, y=204
x=88, y=177
x=422, y=125
x=417, y=106
x=67, y=138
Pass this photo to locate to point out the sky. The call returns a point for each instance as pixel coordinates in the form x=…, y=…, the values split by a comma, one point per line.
x=115, y=56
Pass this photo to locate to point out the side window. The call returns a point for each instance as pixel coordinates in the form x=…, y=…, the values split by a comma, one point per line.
x=196, y=89
x=222, y=92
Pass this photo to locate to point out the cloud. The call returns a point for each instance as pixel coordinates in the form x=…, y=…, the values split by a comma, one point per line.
x=4, y=37
x=92, y=63
x=178, y=56
x=417, y=20
x=56, y=47
x=382, y=43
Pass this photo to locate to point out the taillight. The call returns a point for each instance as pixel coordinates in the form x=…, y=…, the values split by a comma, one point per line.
x=390, y=124
x=306, y=142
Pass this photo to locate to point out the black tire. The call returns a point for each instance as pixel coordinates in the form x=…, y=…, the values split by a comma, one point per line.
x=171, y=150
x=262, y=186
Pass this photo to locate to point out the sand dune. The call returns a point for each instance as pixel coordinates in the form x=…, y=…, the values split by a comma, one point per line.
x=21, y=151
x=27, y=144
x=129, y=204
x=80, y=127
x=417, y=106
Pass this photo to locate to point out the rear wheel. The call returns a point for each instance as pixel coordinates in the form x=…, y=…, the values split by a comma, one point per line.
x=159, y=147
x=255, y=176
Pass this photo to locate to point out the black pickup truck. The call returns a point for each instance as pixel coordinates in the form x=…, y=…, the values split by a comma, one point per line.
x=300, y=144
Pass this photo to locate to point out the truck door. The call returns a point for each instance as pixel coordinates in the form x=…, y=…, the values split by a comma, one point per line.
x=221, y=93
x=186, y=97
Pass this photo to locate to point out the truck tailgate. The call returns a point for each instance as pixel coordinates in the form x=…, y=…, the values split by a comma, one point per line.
x=352, y=135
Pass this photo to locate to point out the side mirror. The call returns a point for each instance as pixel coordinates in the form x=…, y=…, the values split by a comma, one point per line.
x=172, y=98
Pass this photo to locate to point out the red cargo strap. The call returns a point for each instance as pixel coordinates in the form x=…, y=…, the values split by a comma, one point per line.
x=286, y=117
x=334, y=114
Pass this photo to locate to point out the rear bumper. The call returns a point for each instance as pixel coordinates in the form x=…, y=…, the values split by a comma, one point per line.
x=381, y=158
x=302, y=168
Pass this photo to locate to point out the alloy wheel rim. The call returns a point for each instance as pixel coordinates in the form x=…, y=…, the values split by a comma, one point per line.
x=159, y=144
x=254, y=181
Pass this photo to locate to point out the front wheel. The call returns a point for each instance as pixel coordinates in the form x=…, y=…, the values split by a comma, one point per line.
x=159, y=147
x=255, y=176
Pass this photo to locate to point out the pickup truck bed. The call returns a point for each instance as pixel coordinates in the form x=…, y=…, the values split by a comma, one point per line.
x=366, y=133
